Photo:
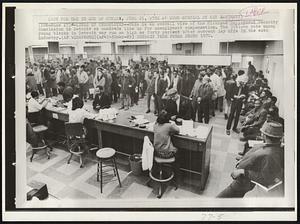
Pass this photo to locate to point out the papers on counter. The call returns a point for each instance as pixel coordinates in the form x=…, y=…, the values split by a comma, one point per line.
x=202, y=131
x=140, y=121
x=107, y=114
x=150, y=126
x=187, y=129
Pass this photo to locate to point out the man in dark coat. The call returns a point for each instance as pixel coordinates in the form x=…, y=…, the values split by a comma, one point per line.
x=262, y=164
x=177, y=106
x=204, y=96
x=101, y=100
x=176, y=82
x=159, y=90
x=254, y=121
x=150, y=90
x=239, y=96
x=125, y=83
x=230, y=86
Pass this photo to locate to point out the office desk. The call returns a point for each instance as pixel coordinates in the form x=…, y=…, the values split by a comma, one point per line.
x=194, y=153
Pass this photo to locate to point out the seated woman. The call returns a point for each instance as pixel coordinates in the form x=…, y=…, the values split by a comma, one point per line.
x=35, y=107
x=101, y=100
x=78, y=114
x=163, y=147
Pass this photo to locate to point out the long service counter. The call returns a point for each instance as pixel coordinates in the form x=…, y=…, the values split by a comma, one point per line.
x=194, y=153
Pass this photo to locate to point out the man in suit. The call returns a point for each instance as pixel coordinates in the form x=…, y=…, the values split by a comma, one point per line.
x=150, y=90
x=195, y=94
x=177, y=106
x=161, y=85
x=101, y=100
x=262, y=164
x=125, y=83
x=176, y=82
x=239, y=96
x=205, y=93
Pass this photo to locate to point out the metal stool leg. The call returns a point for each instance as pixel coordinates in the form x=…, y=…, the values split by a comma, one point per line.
x=98, y=171
x=116, y=168
x=160, y=183
x=70, y=158
x=81, y=161
x=33, y=152
x=101, y=176
x=48, y=152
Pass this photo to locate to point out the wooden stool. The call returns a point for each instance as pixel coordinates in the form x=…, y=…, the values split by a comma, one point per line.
x=106, y=154
x=39, y=130
x=163, y=162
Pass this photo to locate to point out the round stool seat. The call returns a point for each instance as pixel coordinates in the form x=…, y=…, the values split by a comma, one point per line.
x=162, y=160
x=39, y=128
x=105, y=153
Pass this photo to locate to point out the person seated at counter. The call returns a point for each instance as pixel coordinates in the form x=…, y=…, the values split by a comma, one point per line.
x=177, y=106
x=101, y=100
x=163, y=146
x=67, y=91
x=78, y=114
x=35, y=106
x=262, y=163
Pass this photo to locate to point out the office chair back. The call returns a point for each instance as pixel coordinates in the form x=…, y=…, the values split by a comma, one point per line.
x=74, y=130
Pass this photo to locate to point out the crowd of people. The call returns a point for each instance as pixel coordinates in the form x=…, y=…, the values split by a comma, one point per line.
x=202, y=89
x=178, y=92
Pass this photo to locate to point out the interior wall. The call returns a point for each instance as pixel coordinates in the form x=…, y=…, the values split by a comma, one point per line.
x=134, y=49
x=273, y=71
x=67, y=50
x=92, y=50
x=40, y=50
x=193, y=48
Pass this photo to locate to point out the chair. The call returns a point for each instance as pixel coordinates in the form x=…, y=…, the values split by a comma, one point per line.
x=162, y=173
x=105, y=154
x=37, y=131
x=75, y=140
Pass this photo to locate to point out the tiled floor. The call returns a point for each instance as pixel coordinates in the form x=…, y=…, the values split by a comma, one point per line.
x=69, y=181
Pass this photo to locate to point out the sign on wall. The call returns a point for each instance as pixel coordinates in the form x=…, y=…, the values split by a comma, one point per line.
x=199, y=60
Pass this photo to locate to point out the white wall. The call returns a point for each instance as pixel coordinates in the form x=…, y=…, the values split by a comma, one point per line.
x=161, y=47
x=194, y=48
x=210, y=47
x=92, y=51
x=66, y=50
x=275, y=76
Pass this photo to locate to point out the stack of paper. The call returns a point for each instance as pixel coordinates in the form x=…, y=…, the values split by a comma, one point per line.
x=202, y=131
x=107, y=114
x=150, y=126
x=188, y=124
x=140, y=121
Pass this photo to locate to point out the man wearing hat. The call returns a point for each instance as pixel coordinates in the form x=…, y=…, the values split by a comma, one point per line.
x=262, y=164
x=177, y=106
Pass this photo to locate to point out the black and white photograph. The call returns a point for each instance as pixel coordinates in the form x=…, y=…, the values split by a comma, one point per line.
x=184, y=108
